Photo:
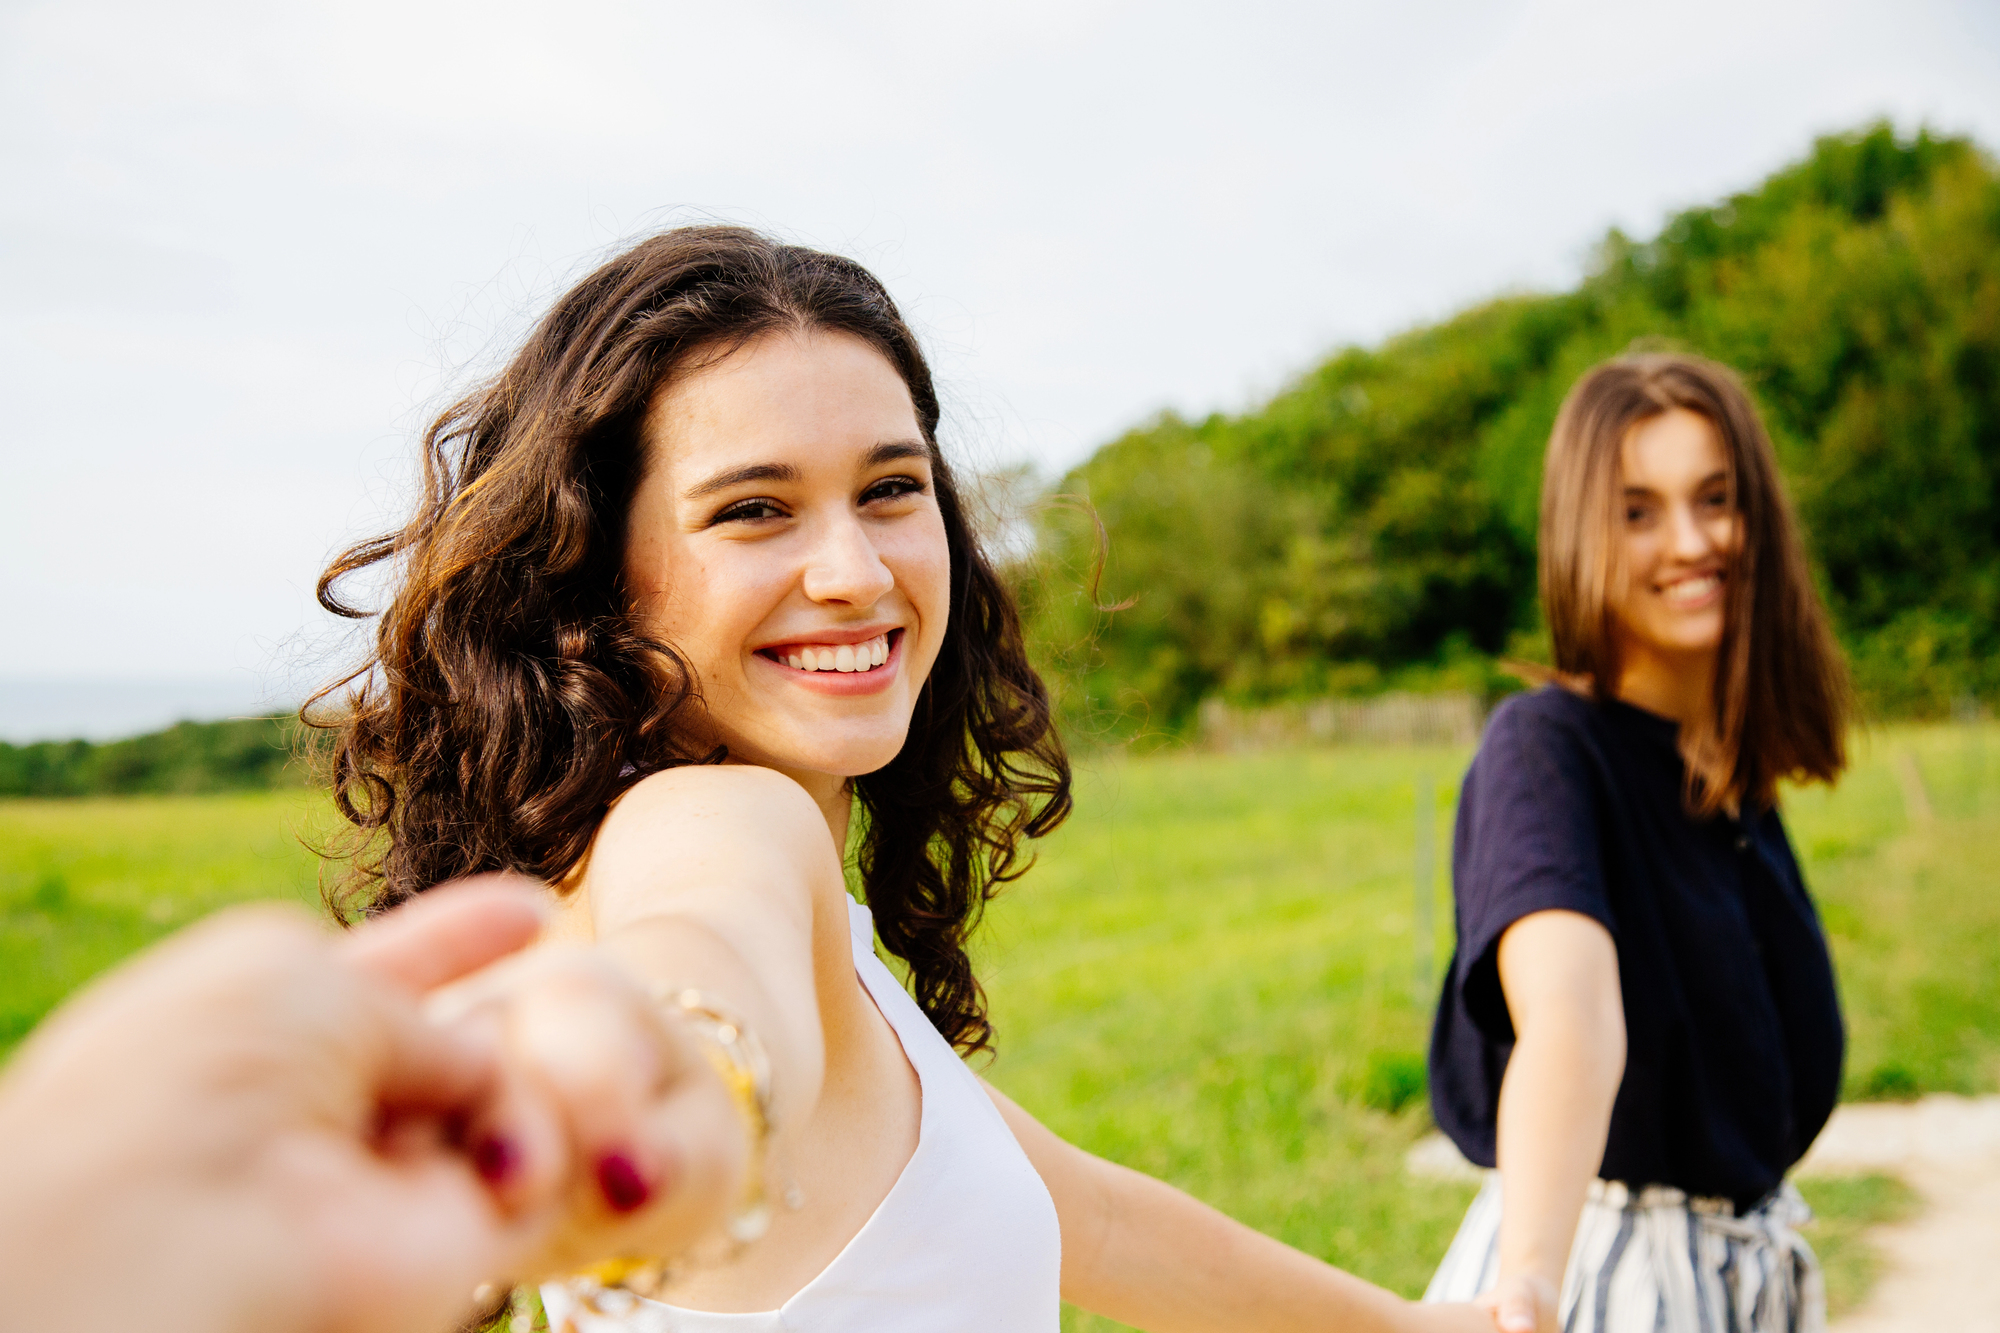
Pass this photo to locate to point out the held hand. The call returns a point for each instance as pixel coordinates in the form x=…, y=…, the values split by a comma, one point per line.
x=1523, y=1303
x=249, y=1127
x=603, y=1079
x=1473, y=1317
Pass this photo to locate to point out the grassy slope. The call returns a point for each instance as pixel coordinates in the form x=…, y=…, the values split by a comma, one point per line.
x=85, y=882
x=1195, y=978
x=1912, y=909
x=1212, y=974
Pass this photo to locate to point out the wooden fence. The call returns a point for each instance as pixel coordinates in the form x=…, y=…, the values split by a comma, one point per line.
x=1391, y=719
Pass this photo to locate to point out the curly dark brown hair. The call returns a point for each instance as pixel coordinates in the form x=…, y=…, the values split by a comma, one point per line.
x=510, y=694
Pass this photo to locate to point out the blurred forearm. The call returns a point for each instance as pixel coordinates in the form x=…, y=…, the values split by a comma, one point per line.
x=1142, y=1252
x=1560, y=974
x=1168, y=1263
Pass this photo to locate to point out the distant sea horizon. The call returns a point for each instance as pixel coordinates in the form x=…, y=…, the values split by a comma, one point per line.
x=61, y=709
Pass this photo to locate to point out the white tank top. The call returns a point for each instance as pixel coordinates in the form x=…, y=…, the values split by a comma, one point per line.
x=966, y=1240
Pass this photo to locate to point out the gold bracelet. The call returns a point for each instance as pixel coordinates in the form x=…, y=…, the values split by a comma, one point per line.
x=736, y=1054
x=746, y=1071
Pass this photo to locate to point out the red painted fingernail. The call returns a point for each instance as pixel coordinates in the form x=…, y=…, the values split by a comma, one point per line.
x=618, y=1179
x=495, y=1158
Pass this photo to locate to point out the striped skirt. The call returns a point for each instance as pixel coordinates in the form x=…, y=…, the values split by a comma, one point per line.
x=1654, y=1259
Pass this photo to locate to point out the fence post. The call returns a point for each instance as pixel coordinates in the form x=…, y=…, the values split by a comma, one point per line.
x=1965, y=710
x=1426, y=857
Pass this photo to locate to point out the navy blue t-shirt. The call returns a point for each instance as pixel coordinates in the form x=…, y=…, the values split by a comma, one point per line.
x=1733, y=1031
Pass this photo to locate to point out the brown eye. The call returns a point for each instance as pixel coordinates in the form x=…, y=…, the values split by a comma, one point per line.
x=748, y=510
x=891, y=488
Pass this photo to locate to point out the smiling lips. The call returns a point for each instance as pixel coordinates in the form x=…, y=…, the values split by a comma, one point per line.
x=1691, y=592
x=852, y=657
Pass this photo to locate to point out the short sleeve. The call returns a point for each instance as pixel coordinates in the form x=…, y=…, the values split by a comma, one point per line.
x=1528, y=840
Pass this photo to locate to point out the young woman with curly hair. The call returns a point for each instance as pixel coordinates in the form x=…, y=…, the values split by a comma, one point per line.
x=692, y=599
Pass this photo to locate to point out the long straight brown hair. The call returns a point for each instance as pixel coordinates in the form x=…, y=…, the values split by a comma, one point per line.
x=1781, y=692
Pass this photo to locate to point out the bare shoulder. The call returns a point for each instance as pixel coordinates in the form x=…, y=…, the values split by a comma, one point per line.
x=711, y=835
x=720, y=782
x=718, y=800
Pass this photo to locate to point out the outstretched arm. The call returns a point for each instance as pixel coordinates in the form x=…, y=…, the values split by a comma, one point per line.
x=722, y=880
x=1559, y=971
x=1140, y=1251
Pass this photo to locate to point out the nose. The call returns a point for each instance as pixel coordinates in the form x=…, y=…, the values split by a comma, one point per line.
x=1689, y=539
x=845, y=568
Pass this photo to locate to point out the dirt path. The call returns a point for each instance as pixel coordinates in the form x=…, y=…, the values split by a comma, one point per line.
x=1941, y=1267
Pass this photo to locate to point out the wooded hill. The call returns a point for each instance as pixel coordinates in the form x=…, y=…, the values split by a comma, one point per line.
x=188, y=757
x=1373, y=525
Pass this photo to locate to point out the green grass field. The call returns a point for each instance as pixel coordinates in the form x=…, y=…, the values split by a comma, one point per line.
x=1212, y=976
x=1214, y=973
x=85, y=882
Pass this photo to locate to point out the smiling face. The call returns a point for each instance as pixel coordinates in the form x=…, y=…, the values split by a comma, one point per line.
x=1681, y=532
x=786, y=539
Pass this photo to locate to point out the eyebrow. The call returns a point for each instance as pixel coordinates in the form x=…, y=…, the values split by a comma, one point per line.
x=892, y=450
x=737, y=476
x=1710, y=479
x=887, y=452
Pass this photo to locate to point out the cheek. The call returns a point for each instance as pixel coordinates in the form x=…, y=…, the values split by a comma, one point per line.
x=1727, y=534
x=920, y=559
x=1635, y=560
x=680, y=598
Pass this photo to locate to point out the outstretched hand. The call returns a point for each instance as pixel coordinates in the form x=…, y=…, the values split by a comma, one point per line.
x=257, y=1126
x=1516, y=1305
x=252, y=1126
x=615, y=1116
x=1523, y=1304
x=1446, y=1317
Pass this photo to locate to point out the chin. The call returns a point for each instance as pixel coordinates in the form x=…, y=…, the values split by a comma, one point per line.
x=1704, y=635
x=842, y=757
x=860, y=760
x=1691, y=641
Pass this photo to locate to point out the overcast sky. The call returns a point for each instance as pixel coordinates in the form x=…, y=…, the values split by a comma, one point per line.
x=245, y=247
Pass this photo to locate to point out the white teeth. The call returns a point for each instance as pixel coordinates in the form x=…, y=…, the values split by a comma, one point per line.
x=840, y=657
x=1691, y=590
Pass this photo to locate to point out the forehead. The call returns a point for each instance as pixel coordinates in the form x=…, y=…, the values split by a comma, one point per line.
x=789, y=397
x=1671, y=451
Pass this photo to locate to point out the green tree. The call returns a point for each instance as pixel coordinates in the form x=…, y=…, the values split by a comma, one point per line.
x=1377, y=517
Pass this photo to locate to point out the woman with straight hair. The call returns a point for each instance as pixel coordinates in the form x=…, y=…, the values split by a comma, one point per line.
x=1640, y=1029
x=689, y=618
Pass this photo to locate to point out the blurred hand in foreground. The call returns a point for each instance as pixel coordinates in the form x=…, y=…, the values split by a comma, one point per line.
x=601, y=1077
x=255, y=1126
x=1523, y=1303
